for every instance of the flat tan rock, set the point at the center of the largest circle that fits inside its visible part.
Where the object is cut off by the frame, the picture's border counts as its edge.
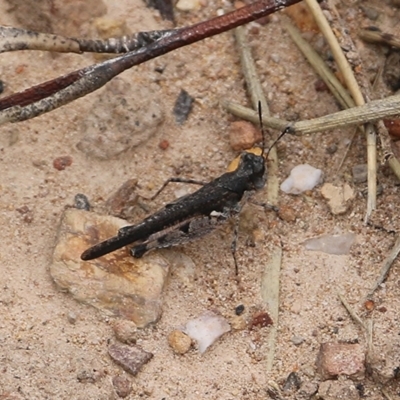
(339, 198)
(117, 283)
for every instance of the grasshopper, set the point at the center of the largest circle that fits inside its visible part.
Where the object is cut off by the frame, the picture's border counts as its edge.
(194, 215)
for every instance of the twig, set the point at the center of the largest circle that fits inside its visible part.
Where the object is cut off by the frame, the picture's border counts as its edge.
(60, 91)
(257, 95)
(320, 67)
(372, 111)
(271, 273)
(355, 91)
(352, 313)
(386, 266)
(12, 39)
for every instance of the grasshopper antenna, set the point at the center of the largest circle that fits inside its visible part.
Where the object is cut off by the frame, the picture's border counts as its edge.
(286, 130)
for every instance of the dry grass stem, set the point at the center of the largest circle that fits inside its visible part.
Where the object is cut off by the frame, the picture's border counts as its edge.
(386, 265)
(354, 88)
(370, 112)
(271, 273)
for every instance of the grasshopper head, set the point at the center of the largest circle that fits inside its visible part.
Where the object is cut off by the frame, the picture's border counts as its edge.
(252, 167)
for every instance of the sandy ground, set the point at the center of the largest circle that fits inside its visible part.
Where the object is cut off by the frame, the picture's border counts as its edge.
(42, 353)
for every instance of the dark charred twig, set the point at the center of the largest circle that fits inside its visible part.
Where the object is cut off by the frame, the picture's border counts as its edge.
(12, 39)
(60, 91)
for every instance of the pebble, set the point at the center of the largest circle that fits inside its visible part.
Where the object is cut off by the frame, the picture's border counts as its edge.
(302, 178)
(81, 202)
(122, 118)
(130, 358)
(342, 389)
(331, 244)
(110, 28)
(297, 340)
(179, 341)
(122, 202)
(125, 331)
(60, 163)
(89, 376)
(122, 386)
(117, 284)
(292, 383)
(332, 149)
(360, 173)
(183, 107)
(260, 319)
(238, 322)
(206, 329)
(335, 359)
(243, 135)
(72, 317)
(239, 309)
(287, 213)
(339, 198)
(307, 390)
(187, 5)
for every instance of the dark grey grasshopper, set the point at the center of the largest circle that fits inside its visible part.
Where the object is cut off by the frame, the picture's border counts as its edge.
(192, 216)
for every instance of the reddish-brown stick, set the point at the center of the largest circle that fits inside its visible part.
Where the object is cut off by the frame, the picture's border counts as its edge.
(60, 91)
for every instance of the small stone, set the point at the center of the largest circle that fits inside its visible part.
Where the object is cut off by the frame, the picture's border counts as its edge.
(108, 27)
(89, 376)
(261, 319)
(72, 317)
(60, 163)
(206, 329)
(238, 322)
(243, 135)
(122, 385)
(183, 107)
(335, 359)
(331, 244)
(163, 144)
(125, 331)
(302, 178)
(297, 340)
(292, 383)
(81, 202)
(287, 213)
(332, 149)
(188, 5)
(239, 309)
(130, 358)
(341, 389)
(307, 390)
(339, 198)
(179, 341)
(117, 284)
(124, 200)
(360, 173)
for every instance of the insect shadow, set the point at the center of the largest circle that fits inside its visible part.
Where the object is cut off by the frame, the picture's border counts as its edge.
(195, 215)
